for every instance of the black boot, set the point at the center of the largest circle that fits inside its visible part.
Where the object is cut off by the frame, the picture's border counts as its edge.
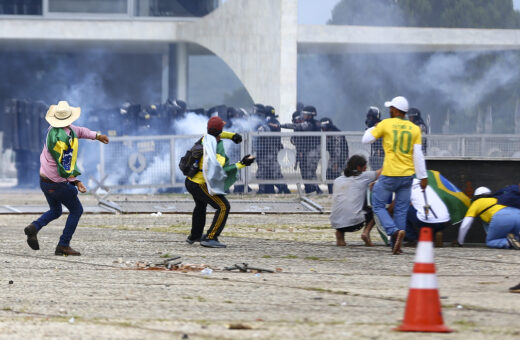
(32, 240)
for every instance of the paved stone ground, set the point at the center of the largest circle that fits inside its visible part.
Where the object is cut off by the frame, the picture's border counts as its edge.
(322, 291)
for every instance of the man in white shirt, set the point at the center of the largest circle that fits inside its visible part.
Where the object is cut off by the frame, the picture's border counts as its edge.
(432, 213)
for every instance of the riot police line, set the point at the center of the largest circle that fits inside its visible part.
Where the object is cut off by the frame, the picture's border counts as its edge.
(315, 153)
(24, 131)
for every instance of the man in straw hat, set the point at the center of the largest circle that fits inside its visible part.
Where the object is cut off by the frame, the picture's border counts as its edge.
(58, 172)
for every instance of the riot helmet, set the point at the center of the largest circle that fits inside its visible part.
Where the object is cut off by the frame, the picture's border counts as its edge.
(259, 110)
(326, 124)
(308, 112)
(296, 117)
(373, 116)
(241, 113)
(414, 115)
(180, 105)
(270, 111)
(123, 110)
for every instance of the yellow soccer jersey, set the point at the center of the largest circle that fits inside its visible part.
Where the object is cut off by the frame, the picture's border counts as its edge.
(399, 137)
(489, 203)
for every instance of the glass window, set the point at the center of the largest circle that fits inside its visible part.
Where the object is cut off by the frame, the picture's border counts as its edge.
(174, 8)
(88, 6)
(20, 7)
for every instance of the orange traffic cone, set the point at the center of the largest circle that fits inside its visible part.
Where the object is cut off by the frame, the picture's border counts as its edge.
(423, 307)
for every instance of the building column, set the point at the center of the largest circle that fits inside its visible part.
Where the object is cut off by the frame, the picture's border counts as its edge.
(165, 77)
(175, 65)
(181, 59)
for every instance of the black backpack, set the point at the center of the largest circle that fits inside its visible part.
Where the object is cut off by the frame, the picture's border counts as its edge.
(189, 164)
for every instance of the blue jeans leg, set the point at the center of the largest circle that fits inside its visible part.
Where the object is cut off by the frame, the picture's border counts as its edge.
(56, 195)
(54, 211)
(382, 195)
(403, 192)
(75, 212)
(505, 221)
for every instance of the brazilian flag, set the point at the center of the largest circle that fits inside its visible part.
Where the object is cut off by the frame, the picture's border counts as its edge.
(456, 201)
(64, 149)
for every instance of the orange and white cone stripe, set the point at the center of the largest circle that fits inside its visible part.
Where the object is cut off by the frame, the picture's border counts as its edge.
(423, 308)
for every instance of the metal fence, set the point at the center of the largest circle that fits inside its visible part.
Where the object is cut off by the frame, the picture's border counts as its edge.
(286, 157)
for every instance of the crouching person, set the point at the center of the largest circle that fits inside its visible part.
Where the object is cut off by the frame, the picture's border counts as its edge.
(503, 222)
(349, 210)
(58, 172)
(433, 214)
(210, 183)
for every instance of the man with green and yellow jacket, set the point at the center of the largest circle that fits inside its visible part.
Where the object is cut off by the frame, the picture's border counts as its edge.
(209, 185)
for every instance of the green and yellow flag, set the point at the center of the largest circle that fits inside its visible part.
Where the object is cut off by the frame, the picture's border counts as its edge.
(456, 201)
(64, 150)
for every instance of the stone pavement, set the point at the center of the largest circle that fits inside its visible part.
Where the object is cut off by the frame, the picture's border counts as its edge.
(322, 291)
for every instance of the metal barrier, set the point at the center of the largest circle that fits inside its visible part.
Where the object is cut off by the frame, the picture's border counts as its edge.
(282, 157)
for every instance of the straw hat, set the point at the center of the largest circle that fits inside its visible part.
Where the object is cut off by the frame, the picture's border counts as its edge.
(62, 115)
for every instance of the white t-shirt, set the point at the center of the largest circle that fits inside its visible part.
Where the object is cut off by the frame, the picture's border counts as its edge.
(435, 202)
(349, 195)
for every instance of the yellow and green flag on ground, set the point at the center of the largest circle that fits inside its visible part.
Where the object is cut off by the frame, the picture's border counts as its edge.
(456, 201)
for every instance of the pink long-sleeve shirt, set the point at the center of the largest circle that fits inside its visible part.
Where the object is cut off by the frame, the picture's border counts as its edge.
(48, 166)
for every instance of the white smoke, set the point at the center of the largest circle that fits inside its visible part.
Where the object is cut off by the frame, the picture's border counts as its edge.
(451, 75)
(343, 87)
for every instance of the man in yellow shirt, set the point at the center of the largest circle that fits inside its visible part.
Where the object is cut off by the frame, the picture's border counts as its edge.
(403, 159)
(502, 222)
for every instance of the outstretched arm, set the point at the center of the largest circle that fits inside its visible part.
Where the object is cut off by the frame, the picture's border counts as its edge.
(464, 228)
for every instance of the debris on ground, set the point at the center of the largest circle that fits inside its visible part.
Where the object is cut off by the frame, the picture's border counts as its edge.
(246, 268)
(173, 263)
(239, 326)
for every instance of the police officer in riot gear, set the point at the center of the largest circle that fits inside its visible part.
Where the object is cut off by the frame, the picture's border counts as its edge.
(414, 115)
(307, 147)
(267, 149)
(377, 154)
(337, 148)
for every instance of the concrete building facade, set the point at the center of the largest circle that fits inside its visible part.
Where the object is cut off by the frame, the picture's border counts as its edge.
(259, 39)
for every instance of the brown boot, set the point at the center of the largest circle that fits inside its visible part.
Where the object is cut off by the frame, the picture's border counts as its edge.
(66, 251)
(340, 239)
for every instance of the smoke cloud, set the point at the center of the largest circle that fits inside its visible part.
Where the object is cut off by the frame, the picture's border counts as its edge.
(465, 83)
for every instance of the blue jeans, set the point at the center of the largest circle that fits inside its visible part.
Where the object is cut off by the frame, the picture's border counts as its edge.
(57, 194)
(382, 194)
(503, 222)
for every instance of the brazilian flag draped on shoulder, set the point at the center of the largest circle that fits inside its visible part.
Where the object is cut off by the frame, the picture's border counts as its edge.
(456, 201)
(218, 177)
(64, 150)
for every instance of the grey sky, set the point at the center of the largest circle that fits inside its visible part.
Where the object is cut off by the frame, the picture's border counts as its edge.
(314, 12)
